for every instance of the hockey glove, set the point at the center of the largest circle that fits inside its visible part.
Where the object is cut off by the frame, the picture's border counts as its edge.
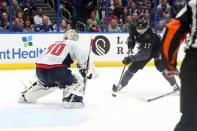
(85, 73)
(128, 60)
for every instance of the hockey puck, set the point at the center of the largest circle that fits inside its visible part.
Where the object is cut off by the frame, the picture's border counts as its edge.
(114, 95)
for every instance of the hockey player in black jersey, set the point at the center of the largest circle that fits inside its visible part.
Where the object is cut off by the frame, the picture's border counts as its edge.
(148, 46)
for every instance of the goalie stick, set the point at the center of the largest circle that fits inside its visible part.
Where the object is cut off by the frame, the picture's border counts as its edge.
(87, 66)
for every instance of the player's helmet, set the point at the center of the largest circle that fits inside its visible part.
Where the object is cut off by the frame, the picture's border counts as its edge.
(71, 35)
(142, 24)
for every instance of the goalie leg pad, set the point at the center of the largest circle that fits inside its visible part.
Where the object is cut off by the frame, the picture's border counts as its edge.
(34, 92)
(73, 94)
(76, 88)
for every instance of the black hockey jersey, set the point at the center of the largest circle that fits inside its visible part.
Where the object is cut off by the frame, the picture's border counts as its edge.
(148, 44)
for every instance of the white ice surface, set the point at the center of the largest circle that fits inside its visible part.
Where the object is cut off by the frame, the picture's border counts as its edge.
(102, 112)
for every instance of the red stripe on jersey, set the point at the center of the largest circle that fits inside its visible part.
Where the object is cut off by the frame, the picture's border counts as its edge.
(44, 66)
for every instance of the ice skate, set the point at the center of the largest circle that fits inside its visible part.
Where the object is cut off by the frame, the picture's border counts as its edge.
(176, 89)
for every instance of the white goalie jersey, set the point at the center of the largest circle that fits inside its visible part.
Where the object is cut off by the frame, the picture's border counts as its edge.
(57, 53)
(64, 53)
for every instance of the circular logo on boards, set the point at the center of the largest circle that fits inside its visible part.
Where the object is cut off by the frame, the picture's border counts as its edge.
(101, 45)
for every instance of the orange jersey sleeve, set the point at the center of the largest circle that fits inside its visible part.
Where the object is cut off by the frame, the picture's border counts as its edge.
(174, 33)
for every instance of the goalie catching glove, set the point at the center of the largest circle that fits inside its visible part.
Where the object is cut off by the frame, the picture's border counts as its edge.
(85, 73)
(89, 73)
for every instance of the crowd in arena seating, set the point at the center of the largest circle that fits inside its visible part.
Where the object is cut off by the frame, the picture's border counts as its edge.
(121, 13)
(92, 14)
(26, 17)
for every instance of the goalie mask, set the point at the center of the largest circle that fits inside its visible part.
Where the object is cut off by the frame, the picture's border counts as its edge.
(71, 35)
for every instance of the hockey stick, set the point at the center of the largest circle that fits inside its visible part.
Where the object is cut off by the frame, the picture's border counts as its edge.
(158, 97)
(114, 93)
(87, 66)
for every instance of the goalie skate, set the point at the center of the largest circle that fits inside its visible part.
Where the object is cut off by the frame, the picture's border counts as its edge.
(73, 101)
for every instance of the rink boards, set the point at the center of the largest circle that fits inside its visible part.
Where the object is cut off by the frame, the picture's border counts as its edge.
(19, 51)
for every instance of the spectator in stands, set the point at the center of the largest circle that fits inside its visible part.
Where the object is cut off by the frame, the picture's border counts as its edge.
(102, 12)
(94, 27)
(160, 26)
(125, 14)
(15, 7)
(132, 7)
(111, 4)
(20, 16)
(162, 8)
(113, 26)
(118, 11)
(4, 7)
(46, 26)
(88, 7)
(38, 17)
(77, 14)
(147, 17)
(28, 26)
(148, 6)
(4, 22)
(125, 27)
(134, 17)
(92, 19)
(140, 7)
(17, 26)
(64, 26)
(27, 16)
(110, 17)
(167, 17)
(29, 5)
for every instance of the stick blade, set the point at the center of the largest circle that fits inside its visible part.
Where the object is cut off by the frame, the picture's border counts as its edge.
(114, 88)
(143, 99)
